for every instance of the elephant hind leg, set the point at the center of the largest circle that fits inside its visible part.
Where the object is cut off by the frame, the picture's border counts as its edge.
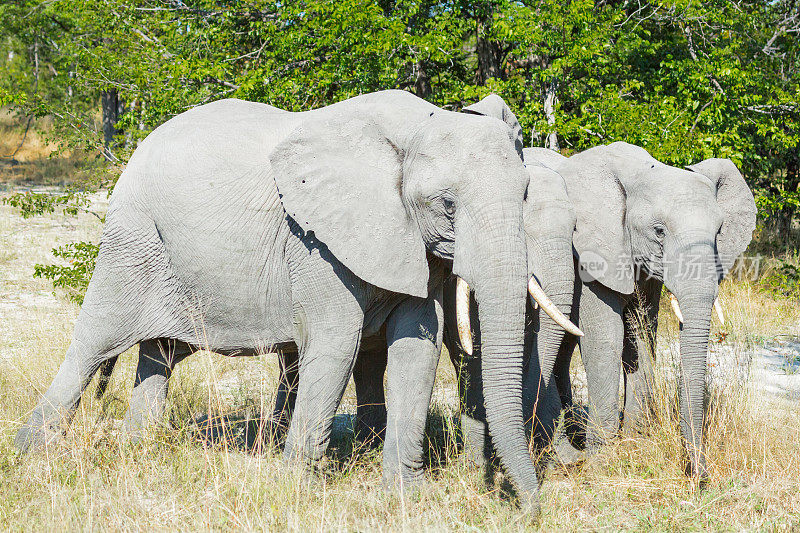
(51, 417)
(157, 359)
(286, 395)
(125, 303)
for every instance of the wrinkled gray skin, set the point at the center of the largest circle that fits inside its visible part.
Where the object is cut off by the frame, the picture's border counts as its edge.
(641, 224)
(549, 222)
(239, 227)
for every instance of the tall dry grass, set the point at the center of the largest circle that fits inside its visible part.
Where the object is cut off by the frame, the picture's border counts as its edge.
(175, 479)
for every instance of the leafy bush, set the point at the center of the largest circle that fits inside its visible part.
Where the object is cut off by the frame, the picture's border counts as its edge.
(783, 279)
(75, 277)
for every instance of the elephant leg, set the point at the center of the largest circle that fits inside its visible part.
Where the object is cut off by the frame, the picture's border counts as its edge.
(571, 436)
(414, 337)
(638, 356)
(328, 342)
(90, 348)
(368, 375)
(286, 396)
(157, 359)
(601, 351)
(474, 430)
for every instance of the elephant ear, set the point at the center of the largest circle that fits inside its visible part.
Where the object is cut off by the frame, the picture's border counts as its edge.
(340, 178)
(496, 107)
(737, 204)
(543, 156)
(601, 240)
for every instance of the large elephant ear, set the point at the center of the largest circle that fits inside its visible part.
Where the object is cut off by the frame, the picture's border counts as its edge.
(737, 204)
(341, 178)
(602, 241)
(494, 106)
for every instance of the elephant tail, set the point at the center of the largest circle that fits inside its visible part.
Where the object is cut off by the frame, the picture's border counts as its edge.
(104, 375)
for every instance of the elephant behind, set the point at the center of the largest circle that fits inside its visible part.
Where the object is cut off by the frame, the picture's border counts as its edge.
(236, 228)
(640, 225)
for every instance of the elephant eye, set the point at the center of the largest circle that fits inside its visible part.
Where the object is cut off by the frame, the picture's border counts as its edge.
(449, 206)
(659, 231)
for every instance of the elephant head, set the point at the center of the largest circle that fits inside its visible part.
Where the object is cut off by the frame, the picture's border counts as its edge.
(549, 219)
(638, 217)
(392, 179)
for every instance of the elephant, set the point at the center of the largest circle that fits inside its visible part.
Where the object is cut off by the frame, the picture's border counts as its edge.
(642, 224)
(549, 222)
(240, 228)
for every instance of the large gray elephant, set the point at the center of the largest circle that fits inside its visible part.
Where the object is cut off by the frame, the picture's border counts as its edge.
(549, 222)
(236, 226)
(640, 225)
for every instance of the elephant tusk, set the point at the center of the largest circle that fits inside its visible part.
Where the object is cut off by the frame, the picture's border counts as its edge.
(675, 307)
(718, 309)
(538, 296)
(462, 315)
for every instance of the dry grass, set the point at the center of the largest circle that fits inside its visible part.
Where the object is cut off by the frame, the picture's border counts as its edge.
(92, 479)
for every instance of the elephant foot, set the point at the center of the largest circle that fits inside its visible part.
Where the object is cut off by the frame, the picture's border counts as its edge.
(310, 474)
(476, 451)
(406, 485)
(698, 474)
(37, 433)
(564, 454)
(632, 422)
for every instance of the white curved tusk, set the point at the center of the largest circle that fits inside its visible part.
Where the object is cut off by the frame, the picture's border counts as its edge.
(718, 309)
(675, 307)
(462, 315)
(538, 296)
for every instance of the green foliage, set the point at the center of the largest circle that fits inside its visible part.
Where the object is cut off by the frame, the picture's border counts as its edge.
(684, 79)
(75, 277)
(32, 204)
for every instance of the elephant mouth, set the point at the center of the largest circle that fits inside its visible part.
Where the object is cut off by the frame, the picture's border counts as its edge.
(538, 297)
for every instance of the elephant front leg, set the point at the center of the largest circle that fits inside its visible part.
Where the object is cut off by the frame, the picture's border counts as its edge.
(328, 340)
(157, 359)
(601, 351)
(414, 336)
(368, 375)
(474, 430)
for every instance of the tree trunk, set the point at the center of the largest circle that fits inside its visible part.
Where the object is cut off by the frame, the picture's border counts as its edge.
(113, 107)
(550, 100)
(489, 52)
(422, 82)
(788, 211)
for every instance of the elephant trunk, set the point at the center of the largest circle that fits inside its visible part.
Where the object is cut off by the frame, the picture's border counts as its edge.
(499, 281)
(695, 286)
(694, 348)
(555, 272)
(501, 319)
